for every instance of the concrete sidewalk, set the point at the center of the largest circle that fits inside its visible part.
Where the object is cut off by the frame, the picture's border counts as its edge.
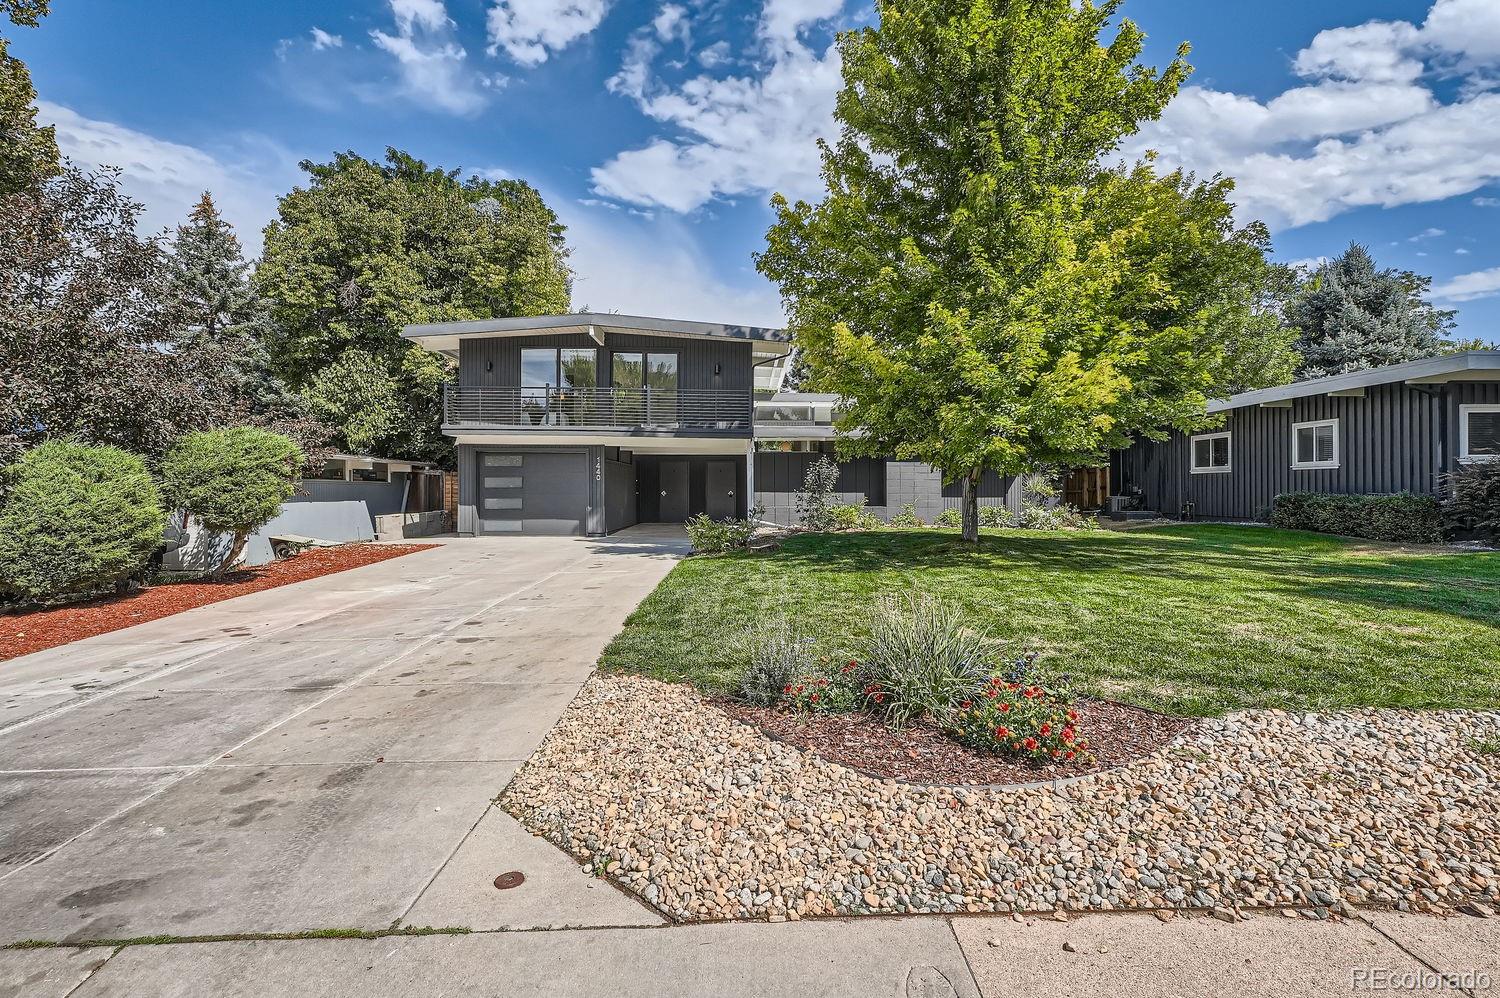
(919, 957)
(323, 755)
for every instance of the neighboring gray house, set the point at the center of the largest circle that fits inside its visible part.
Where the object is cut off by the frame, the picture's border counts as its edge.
(588, 423)
(1392, 429)
(352, 497)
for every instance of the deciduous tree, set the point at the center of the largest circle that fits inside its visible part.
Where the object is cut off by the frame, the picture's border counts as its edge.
(368, 247)
(979, 288)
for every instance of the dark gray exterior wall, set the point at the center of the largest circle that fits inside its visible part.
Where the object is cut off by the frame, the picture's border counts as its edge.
(1396, 438)
(884, 485)
(620, 501)
(696, 359)
(382, 498)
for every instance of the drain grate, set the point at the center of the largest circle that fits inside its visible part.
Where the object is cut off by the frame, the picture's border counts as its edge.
(515, 878)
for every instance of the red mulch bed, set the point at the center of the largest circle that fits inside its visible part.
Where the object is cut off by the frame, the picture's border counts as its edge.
(1116, 734)
(24, 633)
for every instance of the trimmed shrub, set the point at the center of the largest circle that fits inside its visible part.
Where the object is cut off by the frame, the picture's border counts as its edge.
(907, 517)
(815, 501)
(1471, 501)
(921, 658)
(1059, 517)
(76, 520)
(853, 516)
(950, 518)
(710, 536)
(995, 516)
(232, 480)
(1401, 517)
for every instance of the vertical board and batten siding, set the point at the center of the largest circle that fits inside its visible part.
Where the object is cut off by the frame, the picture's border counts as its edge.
(1390, 440)
(695, 359)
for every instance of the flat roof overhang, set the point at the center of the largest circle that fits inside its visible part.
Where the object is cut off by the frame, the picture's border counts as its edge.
(1468, 365)
(444, 337)
(641, 445)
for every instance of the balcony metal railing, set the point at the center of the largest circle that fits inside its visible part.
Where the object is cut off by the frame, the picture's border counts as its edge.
(597, 408)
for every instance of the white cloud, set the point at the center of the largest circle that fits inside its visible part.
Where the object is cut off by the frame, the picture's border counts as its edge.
(738, 135)
(1425, 234)
(530, 30)
(169, 177)
(671, 22)
(1365, 130)
(323, 40)
(673, 280)
(713, 55)
(1483, 202)
(432, 65)
(1461, 251)
(1468, 287)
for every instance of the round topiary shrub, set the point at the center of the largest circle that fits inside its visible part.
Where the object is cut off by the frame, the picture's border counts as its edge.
(75, 521)
(233, 481)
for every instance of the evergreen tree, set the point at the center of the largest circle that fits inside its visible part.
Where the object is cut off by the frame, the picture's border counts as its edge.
(1352, 317)
(28, 154)
(368, 247)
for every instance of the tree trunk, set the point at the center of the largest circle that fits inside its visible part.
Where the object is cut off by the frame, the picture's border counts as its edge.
(238, 545)
(971, 507)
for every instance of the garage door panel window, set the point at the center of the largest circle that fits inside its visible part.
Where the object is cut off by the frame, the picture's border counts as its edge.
(1209, 453)
(502, 460)
(1315, 445)
(1479, 432)
(503, 482)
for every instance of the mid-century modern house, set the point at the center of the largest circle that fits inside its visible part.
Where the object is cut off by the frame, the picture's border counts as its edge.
(1387, 430)
(591, 422)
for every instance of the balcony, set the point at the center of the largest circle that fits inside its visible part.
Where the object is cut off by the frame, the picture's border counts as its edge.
(652, 410)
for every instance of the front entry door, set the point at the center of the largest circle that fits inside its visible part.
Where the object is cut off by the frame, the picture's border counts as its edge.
(720, 488)
(674, 491)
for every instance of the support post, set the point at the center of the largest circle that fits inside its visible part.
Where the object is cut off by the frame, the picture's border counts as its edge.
(749, 478)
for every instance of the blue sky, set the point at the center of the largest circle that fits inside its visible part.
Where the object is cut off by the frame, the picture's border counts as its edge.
(659, 129)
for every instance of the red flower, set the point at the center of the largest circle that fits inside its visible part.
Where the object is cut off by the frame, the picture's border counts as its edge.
(813, 698)
(787, 688)
(965, 705)
(1046, 729)
(1068, 733)
(1002, 732)
(823, 682)
(992, 694)
(853, 664)
(1030, 744)
(1083, 745)
(1005, 708)
(1073, 715)
(1031, 691)
(1054, 753)
(1068, 754)
(880, 698)
(800, 687)
(1012, 686)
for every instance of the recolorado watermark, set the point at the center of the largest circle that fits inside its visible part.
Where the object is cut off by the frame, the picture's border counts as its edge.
(1386, 979)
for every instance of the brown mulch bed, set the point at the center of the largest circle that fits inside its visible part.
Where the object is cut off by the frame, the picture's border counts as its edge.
(921, 753)
(24, 633)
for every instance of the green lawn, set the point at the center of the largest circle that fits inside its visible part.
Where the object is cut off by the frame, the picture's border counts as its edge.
(1194, 619)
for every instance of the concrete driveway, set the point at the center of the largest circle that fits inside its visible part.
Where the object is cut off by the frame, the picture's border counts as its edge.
(319, 756)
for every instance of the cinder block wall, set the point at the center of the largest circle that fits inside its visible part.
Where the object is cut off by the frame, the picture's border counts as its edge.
(912, 482)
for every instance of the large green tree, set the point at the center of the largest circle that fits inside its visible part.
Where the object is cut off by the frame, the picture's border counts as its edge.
(1352, 316)
(28, 154)
(981, 291)
(368, 247)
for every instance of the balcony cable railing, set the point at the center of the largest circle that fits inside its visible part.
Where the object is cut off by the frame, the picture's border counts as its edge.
(596, 408)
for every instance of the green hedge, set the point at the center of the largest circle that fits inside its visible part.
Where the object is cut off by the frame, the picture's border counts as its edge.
(75, 520)
(1400, 517)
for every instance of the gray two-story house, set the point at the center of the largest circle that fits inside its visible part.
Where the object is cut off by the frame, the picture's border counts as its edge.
(589, 423)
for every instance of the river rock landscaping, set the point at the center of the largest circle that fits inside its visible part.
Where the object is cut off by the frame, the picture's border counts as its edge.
(706, 817)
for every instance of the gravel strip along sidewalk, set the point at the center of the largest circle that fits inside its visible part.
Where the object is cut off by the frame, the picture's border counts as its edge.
(707, 818)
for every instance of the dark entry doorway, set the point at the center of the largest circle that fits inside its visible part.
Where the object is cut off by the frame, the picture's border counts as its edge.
(719, 498)
(673, 483)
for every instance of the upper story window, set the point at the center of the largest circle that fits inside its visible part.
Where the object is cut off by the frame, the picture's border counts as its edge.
(545, 367)
(1210, 453)
(656, 371)
(1315, 444)
(1479, 432)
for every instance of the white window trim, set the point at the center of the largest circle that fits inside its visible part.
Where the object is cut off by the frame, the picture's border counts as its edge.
(1193, 453)
(1463, 431)
(1315, 465)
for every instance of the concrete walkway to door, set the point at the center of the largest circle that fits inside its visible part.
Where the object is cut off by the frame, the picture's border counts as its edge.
(319, 756)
